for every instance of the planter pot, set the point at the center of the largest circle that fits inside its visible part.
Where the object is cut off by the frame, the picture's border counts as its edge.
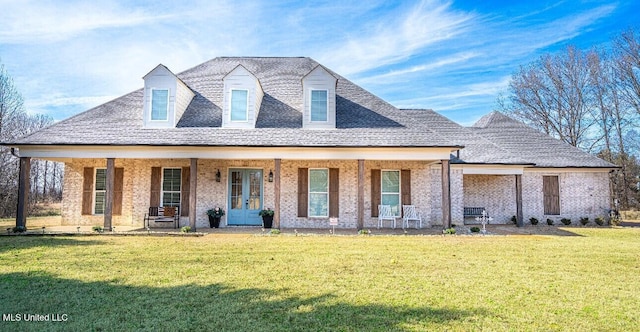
(214, 222)
(267, 221)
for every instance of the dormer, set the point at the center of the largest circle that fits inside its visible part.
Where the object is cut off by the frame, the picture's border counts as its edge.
(242, 99)
(319, 90)
(166, 98)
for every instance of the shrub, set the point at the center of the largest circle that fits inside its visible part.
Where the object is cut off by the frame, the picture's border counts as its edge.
(566, 221)
(533, 221)
(185, 229)
(98, 229)
(364, 232)
(274, 231)
(475, 229)
(599, 221)
(514, 220)
(549, 222)
(19, 229)
(584, 220)
(450, 230)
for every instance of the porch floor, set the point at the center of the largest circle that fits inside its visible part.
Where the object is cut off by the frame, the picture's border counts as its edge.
(256, 231)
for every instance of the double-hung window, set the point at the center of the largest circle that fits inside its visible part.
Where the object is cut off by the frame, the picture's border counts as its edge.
(100, 190)
(390, 190)
(319, 107)
(239, 105)
(318, 192)
(159, 104)
(171, 181)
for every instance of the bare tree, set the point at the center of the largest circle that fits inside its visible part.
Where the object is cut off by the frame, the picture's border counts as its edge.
(552, 94)
(590, 100)
(14, 123)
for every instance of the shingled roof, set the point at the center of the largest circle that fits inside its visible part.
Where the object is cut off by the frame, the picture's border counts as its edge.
(516, 141)
(362, 118)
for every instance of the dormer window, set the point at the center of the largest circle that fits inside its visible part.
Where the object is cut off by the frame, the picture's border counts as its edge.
(239, 105)
(159, 104)
(242, 99)
(319, 105)
(319, 94)
(166, 98)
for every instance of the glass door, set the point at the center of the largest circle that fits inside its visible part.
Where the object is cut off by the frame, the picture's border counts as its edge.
(245, 197)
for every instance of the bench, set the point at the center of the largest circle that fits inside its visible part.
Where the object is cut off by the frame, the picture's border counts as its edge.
(162, 214)
(474, 212)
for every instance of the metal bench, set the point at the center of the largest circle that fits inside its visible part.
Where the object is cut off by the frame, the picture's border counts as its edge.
(162, 214)
(474, 211)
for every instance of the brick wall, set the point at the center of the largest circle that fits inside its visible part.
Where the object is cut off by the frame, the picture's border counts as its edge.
(581, 193)
(496, 193)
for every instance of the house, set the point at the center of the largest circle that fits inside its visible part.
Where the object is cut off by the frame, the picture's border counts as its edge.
(247, 133)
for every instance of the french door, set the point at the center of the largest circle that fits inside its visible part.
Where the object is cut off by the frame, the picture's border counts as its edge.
(245, 197)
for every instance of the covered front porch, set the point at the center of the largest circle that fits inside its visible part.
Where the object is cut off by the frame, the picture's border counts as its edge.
(242, 181)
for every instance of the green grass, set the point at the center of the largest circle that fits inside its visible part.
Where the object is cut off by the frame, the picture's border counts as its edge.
(309, 283)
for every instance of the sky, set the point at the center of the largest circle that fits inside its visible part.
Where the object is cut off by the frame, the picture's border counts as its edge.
(455, 57)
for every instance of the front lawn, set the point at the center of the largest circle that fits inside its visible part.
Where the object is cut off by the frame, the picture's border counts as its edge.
(233, 282)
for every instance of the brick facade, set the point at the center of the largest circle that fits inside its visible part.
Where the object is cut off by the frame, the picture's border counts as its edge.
(581, 193)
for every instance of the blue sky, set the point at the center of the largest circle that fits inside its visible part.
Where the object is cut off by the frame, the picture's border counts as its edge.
(454, 57)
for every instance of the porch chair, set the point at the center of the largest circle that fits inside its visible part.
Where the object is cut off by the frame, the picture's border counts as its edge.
(409, 213)
(384, 213)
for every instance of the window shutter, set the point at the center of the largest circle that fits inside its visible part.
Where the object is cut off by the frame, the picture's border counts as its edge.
(334, 190)
(156, 181)
(375, 191)
(405, 185)
(117, 191)
(185, 188)
(303, 191)
(551, 193)
(87, 191)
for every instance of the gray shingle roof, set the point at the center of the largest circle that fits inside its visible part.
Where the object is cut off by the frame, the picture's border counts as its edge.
(524, 143)
(363, 118)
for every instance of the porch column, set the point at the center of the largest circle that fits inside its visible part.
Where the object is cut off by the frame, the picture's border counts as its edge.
(108, 199)
(446, 194)
(276, 193)
(519, 215)
(23, 191)
(360, 194)
(193, 183)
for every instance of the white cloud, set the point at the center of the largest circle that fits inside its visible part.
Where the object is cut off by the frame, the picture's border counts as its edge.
(29, 22)
(396, 37)
(449, 60)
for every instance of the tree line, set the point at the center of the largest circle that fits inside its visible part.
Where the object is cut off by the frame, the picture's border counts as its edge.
(591, 100)
(46, 176)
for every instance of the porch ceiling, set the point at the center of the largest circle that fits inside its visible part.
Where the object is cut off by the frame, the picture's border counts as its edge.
(254, 153)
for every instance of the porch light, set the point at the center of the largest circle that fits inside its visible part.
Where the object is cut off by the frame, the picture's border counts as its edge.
(270, 176)
(218, 176)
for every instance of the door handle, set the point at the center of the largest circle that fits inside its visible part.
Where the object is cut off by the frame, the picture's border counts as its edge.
(247, 203)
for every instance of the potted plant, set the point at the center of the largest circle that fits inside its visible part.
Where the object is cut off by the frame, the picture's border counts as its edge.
(267, 217)
(214, 217)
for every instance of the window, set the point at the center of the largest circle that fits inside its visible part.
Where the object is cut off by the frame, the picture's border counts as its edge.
(171, 180)
(239, 108)
(319, 105)
(551, 193)
(318, 192)
(159, 104)
(100, 190)
(390, 190)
